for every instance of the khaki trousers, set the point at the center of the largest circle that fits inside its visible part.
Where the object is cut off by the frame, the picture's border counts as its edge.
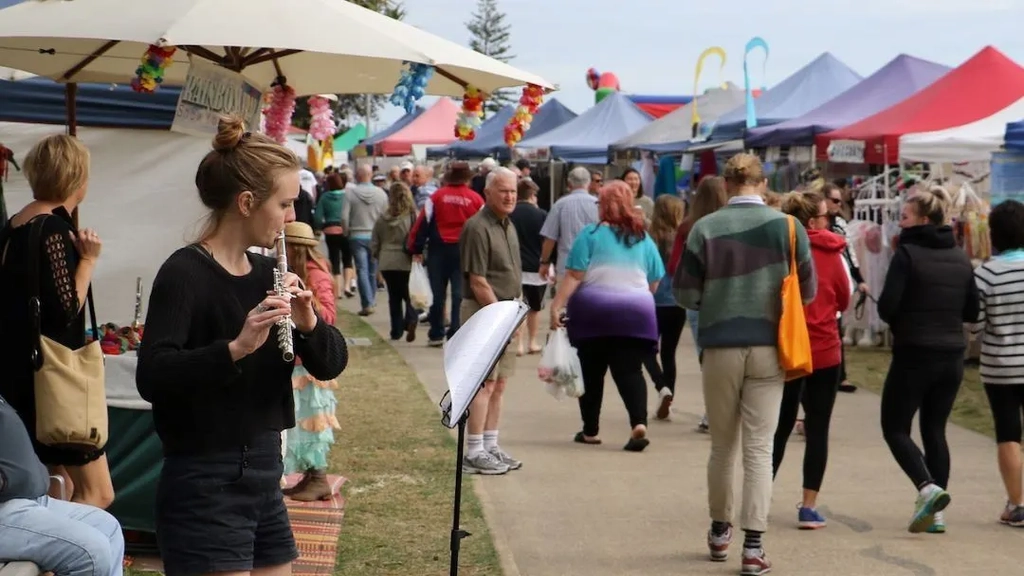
(742, 391)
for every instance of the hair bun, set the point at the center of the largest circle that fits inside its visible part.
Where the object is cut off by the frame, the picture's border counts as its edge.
(230, 130)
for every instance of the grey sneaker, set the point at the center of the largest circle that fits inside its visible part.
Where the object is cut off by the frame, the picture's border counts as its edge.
(505, 459)
(1013, 516)
(483, 463)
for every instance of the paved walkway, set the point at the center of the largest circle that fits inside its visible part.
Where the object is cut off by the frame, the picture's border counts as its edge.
(598, 511)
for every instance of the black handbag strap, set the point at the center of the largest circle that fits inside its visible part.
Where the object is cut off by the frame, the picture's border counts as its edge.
(35, 239)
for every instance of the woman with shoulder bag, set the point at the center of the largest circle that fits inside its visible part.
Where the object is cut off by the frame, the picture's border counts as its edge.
(220, 383)
(42, 255)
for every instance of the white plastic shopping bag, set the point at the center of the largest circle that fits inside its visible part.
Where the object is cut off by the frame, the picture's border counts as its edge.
(419, 287)
(560, 367)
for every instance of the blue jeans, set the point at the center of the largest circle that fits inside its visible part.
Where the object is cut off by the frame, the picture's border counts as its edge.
(61, 537)
(366, 272)
(444, 268)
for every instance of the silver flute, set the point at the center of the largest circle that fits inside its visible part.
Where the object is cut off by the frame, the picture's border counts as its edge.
(284, 325)
(138, 304)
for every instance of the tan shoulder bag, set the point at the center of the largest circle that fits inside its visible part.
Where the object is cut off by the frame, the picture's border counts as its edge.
(71, 398)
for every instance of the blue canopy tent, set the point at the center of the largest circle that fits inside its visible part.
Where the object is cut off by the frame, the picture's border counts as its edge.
(490, 138)
(809, 87)
(41, 101)
(585, 139)
(897, 80)
(366, 146)
(1015, 136)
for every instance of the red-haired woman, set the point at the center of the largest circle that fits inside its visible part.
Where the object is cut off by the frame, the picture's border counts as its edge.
(612, 272)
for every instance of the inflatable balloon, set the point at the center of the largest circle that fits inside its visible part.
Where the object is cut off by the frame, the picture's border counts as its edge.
(713, 51)
(602, 84)
(755, 42)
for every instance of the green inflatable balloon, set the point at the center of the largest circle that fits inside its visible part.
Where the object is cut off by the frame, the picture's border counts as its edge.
(601, 93)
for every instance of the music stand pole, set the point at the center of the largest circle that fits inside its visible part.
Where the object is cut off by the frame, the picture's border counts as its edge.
(457, 532)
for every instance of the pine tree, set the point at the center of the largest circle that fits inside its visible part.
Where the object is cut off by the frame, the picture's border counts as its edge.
(491, 35)
(351, 109)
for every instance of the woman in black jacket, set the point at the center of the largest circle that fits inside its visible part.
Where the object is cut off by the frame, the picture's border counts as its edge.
(929, 293)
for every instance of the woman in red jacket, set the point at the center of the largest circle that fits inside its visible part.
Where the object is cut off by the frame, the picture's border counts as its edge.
(816, 392)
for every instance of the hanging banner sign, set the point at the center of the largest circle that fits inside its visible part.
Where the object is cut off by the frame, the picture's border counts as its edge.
(211, 92)
(847, 151)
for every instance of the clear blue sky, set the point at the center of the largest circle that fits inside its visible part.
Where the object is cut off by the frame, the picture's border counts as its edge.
(652, 45)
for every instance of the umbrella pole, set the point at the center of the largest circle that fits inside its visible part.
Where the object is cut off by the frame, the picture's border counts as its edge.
(71, 109)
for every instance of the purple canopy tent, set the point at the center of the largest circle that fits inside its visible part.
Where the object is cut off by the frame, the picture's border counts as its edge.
(893, 83)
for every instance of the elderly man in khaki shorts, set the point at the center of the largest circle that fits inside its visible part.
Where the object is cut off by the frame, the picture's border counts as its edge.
(492, 271)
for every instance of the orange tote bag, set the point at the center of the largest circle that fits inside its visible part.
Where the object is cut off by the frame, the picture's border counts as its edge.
(794, 341)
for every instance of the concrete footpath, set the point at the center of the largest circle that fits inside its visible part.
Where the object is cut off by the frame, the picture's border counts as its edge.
(599, 511)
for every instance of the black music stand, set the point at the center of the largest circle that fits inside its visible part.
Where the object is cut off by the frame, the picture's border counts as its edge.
(447, 419)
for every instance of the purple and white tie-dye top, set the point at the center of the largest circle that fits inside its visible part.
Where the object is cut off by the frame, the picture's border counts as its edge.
(615, 297)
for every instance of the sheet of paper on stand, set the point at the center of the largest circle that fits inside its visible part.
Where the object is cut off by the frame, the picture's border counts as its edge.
(470, 355)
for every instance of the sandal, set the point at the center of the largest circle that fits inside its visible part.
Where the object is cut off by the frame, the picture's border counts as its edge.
(581, 438)
(638, 441)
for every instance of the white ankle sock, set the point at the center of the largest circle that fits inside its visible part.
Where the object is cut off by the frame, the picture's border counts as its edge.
(490, 440)
(474, 444)
(928, 490)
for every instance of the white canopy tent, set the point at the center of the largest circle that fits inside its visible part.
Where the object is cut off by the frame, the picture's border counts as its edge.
(974, 142)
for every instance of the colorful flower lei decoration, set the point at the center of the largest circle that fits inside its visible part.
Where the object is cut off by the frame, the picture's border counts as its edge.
(150, 72)
(277, 117)
(321, 124)
(470, 116)
(529, 103)
(412, 85)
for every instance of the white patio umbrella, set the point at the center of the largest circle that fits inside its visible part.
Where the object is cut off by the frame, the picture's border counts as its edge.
(320, 46)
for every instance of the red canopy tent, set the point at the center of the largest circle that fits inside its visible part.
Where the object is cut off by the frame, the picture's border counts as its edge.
(436, 126)
(983, 85)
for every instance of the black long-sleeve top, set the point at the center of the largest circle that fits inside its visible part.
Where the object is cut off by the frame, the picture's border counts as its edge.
(202, 401)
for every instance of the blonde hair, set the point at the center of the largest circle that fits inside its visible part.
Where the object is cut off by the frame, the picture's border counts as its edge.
(299, 257)
(803, 206)
(933, 204)
(743, 170)
(400, 200)
(57, 167)
(773, 199)
(240, 161)
(668, 215)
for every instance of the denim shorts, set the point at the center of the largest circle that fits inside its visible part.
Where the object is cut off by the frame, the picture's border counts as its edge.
(224, 512)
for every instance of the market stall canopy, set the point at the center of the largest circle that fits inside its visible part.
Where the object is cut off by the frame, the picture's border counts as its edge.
(809, 87)
(901, 77)
(103, 40)
(491, 130)
(41, 101)
(1014, 136)
(675, 129)
(983, 85)
(585, 139)
(974, 142)
(435, 126)
(490, 138)
(351, 138)
(366, 146)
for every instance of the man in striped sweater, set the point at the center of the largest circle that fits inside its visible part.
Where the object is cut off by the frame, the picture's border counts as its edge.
(1001, 325)
(732, 272)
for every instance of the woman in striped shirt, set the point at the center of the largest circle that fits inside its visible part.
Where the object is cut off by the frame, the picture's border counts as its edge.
(1001, 324)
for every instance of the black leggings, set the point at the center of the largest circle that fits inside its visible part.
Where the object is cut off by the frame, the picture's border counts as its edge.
(1007, 403)
(817, 393)
(338, 252)
(671, 320)
(624, 357)
(925, 380)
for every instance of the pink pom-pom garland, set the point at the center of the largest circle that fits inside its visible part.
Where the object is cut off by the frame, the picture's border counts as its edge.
(321, 125)
(277, 118)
